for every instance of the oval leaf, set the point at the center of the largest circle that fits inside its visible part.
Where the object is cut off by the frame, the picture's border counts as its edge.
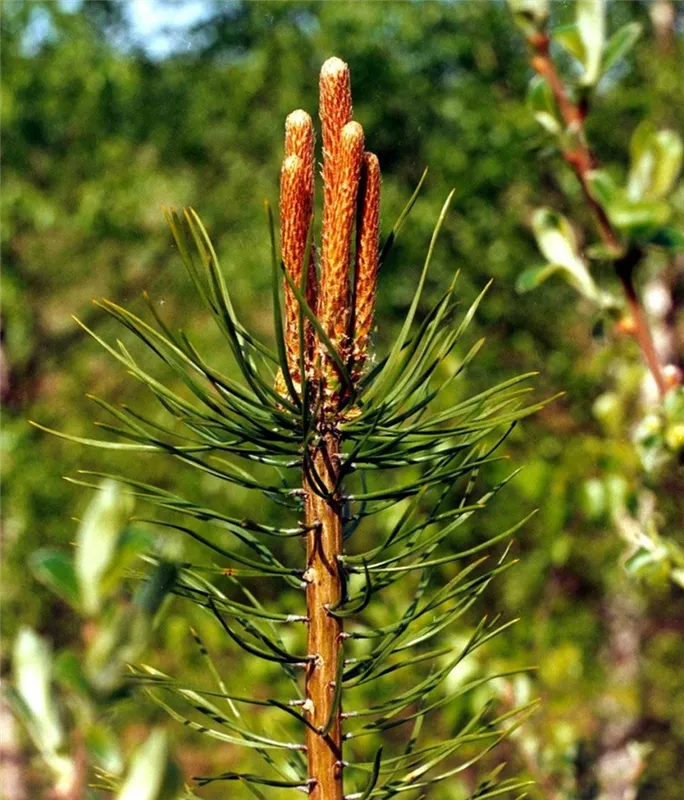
(641, 218)
(667, 164)
(32, 662)
(55, 570)
(670, 239)
(620, 43)
(542, 104)
(97, 540)
(591, 25)
(557, 242)
(532, 277)
(153, 774)
(569, 39)
(530, 15)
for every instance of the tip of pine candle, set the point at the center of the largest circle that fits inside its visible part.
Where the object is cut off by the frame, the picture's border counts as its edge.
(298, 119)
(333, 66)
(371, 161)
(352, 131)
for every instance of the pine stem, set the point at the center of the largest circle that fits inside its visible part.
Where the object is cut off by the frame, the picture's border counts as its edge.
(331, 297)
(324, 589)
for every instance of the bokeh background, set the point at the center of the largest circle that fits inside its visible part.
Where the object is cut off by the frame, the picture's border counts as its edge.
(112, 109)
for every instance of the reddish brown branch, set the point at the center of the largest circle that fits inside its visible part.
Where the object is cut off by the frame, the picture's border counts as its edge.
(581, 159)
(642, 332)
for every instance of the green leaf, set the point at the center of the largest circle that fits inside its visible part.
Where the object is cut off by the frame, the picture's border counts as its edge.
(568, 37)
(604, 252)
(530, 15)
(224, 313)
(543, 105)
(277, 654)
(643, 560)
(656, 159)
(151, 593)
(56, 571)
(337, 696)
(103, 749)
(32, 668)
(591, 26)
(668, 162)
(555, 238)
(132, 543)
(603, 188)
(61, 766)
(641, 140)
(213, 670)
(641, 218)
(153, 774)
(97, 541)
(532, 277)
(620, 43)
(557, 242)
(670, 239)
(68, 671)
(219, 735)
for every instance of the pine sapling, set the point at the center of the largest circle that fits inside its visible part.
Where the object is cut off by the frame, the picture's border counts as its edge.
(348, 437)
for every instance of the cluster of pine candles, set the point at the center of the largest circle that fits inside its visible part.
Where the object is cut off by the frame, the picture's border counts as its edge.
(343, 300)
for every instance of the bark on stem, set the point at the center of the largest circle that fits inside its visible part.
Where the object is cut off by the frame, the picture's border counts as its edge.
(324, 589)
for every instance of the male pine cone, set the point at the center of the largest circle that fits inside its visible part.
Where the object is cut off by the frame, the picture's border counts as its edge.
(341, 291)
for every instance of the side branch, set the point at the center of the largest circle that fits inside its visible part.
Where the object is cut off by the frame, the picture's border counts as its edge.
(582, 160)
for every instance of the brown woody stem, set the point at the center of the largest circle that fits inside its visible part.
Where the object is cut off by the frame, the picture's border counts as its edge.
(582, 161)
(642, 334)
(323, 591)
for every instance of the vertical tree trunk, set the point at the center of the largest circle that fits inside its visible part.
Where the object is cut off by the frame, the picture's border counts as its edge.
(324, 589)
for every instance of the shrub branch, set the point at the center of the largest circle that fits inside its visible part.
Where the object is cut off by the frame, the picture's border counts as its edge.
(582, 160)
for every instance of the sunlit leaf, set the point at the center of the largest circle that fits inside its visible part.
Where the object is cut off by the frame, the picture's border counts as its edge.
(591, 25)
(530, 15)
(532, 277)
(557, 241)
(620, 43)
(568, 37)
(153, 773)
(656, 159)
(32, 668)
(96, 543)
(543, 106)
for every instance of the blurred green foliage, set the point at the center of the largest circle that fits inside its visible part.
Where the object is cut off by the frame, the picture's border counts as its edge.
(97, 135)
